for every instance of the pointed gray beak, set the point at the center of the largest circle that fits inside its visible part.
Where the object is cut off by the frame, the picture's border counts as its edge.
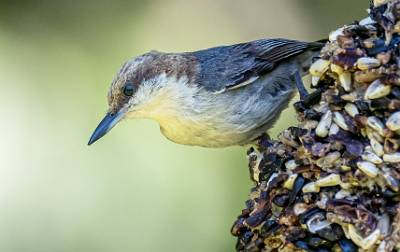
(108, 122)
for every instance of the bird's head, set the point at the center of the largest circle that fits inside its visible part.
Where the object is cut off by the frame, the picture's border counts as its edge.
(138, 85)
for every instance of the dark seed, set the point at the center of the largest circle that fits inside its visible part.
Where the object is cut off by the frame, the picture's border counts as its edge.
(396, 92)
(243, 240)
(297, 132)
(316, 242)
(389, 193)
(332, 233)
(303, 245)
(298, 184)
(378, 104)
(238, 227)
(347, 246)
(281, 200)
(250, 204)
(269, 227)
(256, 219)
(305, 216)
(295, 233)
(323, 250)
(311, 114)
(362, 106)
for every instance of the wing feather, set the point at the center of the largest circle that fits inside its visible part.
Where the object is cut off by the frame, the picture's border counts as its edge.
(230, 67)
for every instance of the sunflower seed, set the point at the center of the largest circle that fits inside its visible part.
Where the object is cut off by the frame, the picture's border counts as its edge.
(315, 80)
(334, 129)
(371, 157)
(330, 180)
(290, 181)
(324, 124)
(368, 168)
(377, 90)
(393, 123)
(340, 121)
(363, 242)
(310, 187)
(374, 123)
(334, 35)
(319, 67)
(351, 109)
(345, 81)
(376, 147)
(337, 69)
(392, 158)
(366, 63)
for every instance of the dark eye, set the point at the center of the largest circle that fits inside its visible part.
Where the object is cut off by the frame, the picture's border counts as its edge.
(129, 89)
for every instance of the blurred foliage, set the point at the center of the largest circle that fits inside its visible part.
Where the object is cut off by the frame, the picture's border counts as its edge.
(133, 190)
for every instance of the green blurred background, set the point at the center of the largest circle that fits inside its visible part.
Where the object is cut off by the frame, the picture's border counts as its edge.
(133, 190)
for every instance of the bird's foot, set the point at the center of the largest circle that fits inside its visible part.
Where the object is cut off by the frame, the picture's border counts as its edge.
(300, 85)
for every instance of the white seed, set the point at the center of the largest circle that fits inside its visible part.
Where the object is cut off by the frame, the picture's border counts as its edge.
(324, 124)
(368, 168)
(367, 21)
(363, 242)
(335, 34)
(371, 157)
(339, 120)
(334, 129)
(351, 109)
(371, 133)
(337, 69)
(384, 224)
(321, 203)
(392, 157)
(315, 80)
(300, 208)
(351, 97)
(317, 222)
(331, 180)
(310, 187)
(377, 90)
(376, 147)
(345, 81)
(319, 67)
(391, 182)
(291, 164)
(342, 194)
(310, 124)
(382, 247)
(345, 186)
(374, 123)
(290, 181)
(393, 123)
(366, 63)
(329, 160)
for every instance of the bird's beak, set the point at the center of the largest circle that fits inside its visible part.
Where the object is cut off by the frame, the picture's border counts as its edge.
(108, 122)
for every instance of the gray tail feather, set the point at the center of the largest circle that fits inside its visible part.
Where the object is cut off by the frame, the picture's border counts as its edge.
(317, 45)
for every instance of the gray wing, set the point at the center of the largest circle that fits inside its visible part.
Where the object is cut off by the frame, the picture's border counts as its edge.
(228, 67)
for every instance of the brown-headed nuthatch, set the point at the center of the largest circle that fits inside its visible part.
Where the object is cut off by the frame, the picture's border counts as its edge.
(217, 97)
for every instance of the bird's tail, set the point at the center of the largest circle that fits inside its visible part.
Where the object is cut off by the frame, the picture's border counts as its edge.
(317, 45)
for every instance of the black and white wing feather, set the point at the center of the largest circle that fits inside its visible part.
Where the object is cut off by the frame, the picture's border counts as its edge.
(227, 67)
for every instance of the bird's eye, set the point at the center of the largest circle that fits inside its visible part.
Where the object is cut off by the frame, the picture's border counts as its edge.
(129, 89)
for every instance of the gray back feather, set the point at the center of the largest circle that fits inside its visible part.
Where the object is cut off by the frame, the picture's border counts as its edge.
(226, 67)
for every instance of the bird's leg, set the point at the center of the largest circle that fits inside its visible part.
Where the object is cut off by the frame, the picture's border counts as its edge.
(300, 86)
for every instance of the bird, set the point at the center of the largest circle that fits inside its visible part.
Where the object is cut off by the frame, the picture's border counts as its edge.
(218, 97)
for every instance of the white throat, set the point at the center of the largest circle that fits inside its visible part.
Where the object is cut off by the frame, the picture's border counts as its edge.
(163, 98)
